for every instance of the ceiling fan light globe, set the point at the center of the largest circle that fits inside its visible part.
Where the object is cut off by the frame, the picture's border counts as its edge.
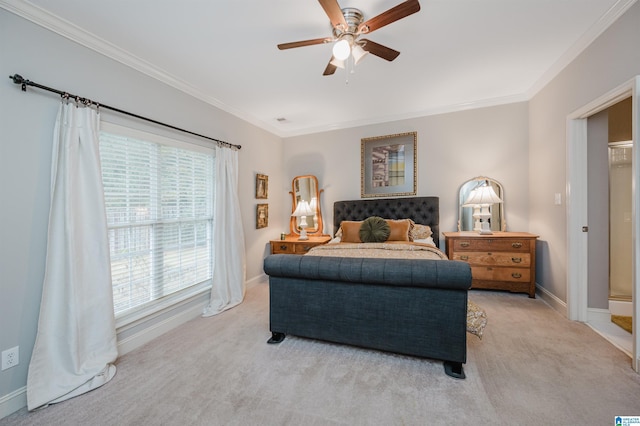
(341, 50)
(337, 63)
(358, 53)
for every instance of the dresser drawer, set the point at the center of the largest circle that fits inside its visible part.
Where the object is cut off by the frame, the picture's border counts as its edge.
(485, 273)
(489, 244)
(494, 258)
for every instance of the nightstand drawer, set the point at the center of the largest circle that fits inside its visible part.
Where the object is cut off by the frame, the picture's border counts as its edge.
(293, 245)
(303, 248)
(282, 247)
(489, 244)
(494, 258)
(488, 273)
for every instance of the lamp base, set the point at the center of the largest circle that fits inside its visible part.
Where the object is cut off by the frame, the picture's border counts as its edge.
(486, 229)
(303, 235)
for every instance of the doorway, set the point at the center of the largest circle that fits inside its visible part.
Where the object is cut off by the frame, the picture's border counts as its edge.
(578, 231)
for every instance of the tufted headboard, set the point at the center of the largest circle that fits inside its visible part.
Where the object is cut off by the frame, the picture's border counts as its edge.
(423, 210)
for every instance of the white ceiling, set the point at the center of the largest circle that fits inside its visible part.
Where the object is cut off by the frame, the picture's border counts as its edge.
(455, 54)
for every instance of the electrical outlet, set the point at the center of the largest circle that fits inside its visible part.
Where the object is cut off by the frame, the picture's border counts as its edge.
(10, 357)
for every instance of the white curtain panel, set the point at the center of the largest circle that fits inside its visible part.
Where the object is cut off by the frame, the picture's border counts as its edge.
(76, 340)
(229, 267)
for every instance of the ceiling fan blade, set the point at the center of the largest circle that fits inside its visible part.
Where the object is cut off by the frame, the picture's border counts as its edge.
(379, 50)
(400, 11)
(330, 69)
(302, 43)
(333, 11)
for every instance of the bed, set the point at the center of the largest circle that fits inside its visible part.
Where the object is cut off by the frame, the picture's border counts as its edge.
(413, 304)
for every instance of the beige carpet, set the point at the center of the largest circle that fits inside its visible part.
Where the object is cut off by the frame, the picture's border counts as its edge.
(532, 367)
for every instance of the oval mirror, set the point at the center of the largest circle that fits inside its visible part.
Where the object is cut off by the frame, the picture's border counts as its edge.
(305, 188)
(467, 210)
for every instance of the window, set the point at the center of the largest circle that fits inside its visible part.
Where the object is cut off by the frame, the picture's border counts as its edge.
(159, 202)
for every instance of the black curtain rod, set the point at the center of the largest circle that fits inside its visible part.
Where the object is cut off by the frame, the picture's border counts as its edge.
(17, 79)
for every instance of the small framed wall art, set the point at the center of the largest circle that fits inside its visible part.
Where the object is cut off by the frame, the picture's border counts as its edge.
(388, 165)
(262, 186)
(262, 216)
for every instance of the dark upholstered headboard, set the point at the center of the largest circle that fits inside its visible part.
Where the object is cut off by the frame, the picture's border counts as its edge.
(423, 210)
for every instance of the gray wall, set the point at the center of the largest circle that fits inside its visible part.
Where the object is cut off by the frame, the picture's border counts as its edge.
(611, 60)
(26, 123)
(452, 148)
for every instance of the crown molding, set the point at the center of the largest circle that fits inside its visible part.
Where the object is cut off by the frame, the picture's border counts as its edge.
(72, 32)
(78, 35)
(445, 109)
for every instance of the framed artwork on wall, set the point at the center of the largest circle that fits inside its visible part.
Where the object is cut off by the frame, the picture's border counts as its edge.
(388, 165)
(262, 186)
(262, 216)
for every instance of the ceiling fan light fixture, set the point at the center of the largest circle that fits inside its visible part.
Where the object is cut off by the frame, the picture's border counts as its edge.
(337, 62)
(358, 53)
(342, 49)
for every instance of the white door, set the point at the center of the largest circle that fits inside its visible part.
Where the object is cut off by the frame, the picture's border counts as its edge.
(577, 206)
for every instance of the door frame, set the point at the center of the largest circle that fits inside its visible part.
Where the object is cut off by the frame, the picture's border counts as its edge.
(576, 207)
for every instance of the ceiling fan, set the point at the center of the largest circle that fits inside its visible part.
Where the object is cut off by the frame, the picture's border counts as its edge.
(348, 25)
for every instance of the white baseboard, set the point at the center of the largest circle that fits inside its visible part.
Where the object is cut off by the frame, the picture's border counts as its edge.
(12, 402)
(146, 335)
(619, 307)
(552, 300)
(598, 315)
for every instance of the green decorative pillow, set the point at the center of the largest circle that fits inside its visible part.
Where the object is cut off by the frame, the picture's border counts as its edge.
(374, 230)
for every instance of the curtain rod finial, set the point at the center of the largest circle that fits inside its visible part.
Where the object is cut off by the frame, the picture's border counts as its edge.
(17, 79)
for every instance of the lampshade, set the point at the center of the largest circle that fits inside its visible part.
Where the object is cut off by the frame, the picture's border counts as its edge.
(313, 204)
(358, 53)
(342, 49)
(483, 195)
(303, 209)
(481, 198)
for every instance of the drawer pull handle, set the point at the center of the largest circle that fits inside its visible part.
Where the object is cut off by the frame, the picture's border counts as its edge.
(306, 248)
(516, 245)
(464, 244)
(516, 259)
(464, 257)
(516, 275)
(283, 247)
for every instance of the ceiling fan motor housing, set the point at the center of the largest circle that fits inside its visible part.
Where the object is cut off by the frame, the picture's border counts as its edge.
(354, 18)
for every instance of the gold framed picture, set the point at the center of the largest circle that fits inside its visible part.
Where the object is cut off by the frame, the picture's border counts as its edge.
(262, 216)
(388, 165)
(262, 186)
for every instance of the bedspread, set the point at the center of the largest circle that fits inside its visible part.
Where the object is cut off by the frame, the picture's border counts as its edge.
(389, 249)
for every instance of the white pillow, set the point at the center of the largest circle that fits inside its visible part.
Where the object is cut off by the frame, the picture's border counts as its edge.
(426, 241)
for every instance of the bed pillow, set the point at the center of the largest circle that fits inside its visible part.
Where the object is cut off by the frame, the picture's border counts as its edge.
(420, 232)
(400, 229)
(350, 231)
(374, 230)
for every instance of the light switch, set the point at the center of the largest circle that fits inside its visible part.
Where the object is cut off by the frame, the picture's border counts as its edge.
(558, 199)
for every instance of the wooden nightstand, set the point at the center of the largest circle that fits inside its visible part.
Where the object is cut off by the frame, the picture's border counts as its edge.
(499, 261)
(292, 245)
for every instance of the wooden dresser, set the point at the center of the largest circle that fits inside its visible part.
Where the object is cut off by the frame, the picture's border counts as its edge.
(499, 261)
(292, 245)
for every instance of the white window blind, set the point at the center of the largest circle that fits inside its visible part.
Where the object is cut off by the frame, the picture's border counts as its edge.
(159, 201)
